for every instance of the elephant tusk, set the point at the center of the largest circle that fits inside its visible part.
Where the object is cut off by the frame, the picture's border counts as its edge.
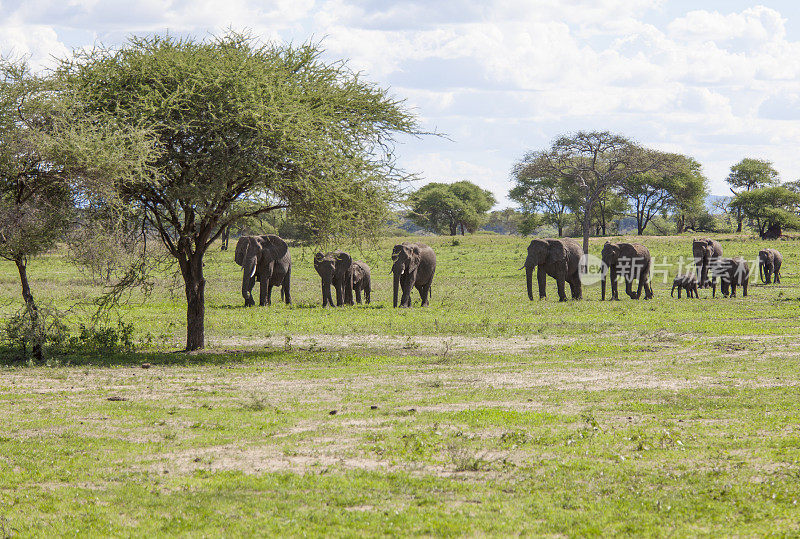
(253, 272)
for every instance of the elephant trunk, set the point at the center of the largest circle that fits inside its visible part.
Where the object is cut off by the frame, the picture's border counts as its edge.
(672, 294)
(761, 272)
(604, 273)
(529, 280)
(396, 286)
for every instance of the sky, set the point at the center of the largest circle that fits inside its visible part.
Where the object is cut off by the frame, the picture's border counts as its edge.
(716, 80)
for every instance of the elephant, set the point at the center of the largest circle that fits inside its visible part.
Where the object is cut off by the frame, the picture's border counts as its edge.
(705, 251)
(558, 258)
(360, 280)
(686, 282)
(413, 265)
(731, 272)
(769, 264)
(265, 259)
(334, 269)
(632, 261)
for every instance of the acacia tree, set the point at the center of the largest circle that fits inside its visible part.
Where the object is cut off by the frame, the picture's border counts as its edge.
(653, 193)
(233, 119)
(689, 194)
(595, 162)
(549, 195)
(749, 174)
(447, 207)
(770, 209)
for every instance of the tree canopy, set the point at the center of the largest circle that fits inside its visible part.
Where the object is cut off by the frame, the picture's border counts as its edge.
(441, 207)
(749, 174)
(770, 209)
(233, 118)
(592, 163)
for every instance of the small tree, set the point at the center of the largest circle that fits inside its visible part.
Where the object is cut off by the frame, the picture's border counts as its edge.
(770, 210)
(234, 119)
(48, 159)
(441, 207)
(749, 174)
(594, 162)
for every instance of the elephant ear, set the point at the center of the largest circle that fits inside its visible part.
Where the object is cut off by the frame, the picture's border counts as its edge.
(557, 252)
(344, 258)
(241, 250)
(277, 243)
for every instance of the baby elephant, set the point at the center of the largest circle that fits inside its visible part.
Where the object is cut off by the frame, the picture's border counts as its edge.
(769, 265)
(686, 282)
(360, 280)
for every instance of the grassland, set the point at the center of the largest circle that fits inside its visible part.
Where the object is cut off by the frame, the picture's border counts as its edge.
(483, 414)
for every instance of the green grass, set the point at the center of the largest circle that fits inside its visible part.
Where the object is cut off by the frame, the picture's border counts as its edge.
(653, 418)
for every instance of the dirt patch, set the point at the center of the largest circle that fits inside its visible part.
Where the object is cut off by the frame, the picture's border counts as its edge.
(416, 344)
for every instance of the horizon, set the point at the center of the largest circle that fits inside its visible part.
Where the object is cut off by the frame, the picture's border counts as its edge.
(719, 83)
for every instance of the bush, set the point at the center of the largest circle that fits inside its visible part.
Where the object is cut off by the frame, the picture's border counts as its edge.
(26, 329)
(103, 340)
(51, 334)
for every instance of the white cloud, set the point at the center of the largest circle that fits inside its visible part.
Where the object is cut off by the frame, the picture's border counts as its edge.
(505, 76)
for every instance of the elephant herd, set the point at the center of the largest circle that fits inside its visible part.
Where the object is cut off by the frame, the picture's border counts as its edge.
(561, 259)
(266, 259)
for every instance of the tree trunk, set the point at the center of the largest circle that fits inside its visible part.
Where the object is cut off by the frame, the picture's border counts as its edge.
(453, 229)
(195, 284)
(30, 304)
(679, 222)
(587, 228)
(560, 230)
(739, 219)
(462, 229)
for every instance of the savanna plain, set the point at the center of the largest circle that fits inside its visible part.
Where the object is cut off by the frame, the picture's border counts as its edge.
(483, 414)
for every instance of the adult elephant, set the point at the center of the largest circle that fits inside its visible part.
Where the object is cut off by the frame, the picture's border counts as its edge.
(265, 259)
(705, 251)
(558, 258)
(632, 262)
(413, 265)
(334, 269)
(732, 272)
(769, 265)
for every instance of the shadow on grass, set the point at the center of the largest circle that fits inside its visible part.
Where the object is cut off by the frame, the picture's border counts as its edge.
(306, 306)
(14, 358)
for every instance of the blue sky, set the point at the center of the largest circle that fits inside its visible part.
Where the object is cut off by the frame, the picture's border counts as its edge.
(718, 80)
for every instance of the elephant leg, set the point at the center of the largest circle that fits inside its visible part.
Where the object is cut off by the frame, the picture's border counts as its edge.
(286, 287)
(777, 276)
(247, 292)
(744, 289)
(325, 292)
(575, 287)
(269, 293)
(357, 291)
(562, 295)
(339, 294)
(423, 293)
(541, 277)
